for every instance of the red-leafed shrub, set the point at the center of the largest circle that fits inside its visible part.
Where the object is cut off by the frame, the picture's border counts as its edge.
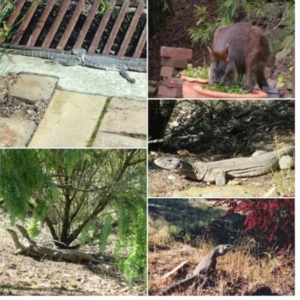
(275, 218)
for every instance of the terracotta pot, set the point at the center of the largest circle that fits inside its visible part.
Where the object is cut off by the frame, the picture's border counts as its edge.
(187, 86)
(191, 88)
(196, 80)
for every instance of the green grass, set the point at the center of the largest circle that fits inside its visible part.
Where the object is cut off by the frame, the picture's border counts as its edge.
(104, 111)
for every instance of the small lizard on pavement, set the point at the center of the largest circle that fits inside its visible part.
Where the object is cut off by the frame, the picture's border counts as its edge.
(79, 57)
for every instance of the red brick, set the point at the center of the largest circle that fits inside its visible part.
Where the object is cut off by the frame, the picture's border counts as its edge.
(168, 72)
(180, 63)
(167, 92)
(172, 82)
(176, 52)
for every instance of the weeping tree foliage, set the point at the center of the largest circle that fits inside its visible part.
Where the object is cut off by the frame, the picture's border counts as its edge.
(81, 195)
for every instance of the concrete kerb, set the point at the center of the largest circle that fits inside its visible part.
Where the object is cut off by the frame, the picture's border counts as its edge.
(79, 79)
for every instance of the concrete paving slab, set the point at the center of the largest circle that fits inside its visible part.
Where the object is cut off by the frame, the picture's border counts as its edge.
(15, 132)
(110, 140)
(80, 79)
(34, 87)
(126, 116)
(69, 120)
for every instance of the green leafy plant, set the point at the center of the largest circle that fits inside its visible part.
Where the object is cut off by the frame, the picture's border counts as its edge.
(280, 81)
(106, 230)
(105, 5)
(34, 230)
(198, 72)
(4, 31)
(6, 8)
(285, 79)
(233, 88)
(204, 30)
(288, 42)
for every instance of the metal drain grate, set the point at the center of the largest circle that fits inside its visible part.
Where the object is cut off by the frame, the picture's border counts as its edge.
(101, 27)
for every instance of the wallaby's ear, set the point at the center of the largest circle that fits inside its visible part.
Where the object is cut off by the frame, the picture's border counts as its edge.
(212, 54)
(227, 48)
(227, 52)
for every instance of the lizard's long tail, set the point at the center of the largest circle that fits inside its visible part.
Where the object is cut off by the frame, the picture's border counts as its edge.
(182, 283)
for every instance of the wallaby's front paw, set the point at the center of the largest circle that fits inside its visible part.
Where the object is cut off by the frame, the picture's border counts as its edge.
(247, 87)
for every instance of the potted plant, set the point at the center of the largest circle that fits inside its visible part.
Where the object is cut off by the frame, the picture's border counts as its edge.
(195, 85)
(193, 77)
(235, 91)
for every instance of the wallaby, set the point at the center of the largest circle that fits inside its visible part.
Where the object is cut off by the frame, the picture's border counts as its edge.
(239, 49)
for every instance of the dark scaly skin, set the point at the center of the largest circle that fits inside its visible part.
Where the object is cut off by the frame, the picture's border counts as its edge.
(79, 57)
(217, 171)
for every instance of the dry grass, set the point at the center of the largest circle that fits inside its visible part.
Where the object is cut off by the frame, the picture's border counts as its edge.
(162, 235)
(285, 182)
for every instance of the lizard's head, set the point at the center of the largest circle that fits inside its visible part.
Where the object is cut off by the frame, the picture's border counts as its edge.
(177, 165)
(223, 249)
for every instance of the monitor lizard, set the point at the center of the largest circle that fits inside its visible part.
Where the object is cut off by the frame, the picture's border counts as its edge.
(217, 171)
(207, 264)
(80, 57)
